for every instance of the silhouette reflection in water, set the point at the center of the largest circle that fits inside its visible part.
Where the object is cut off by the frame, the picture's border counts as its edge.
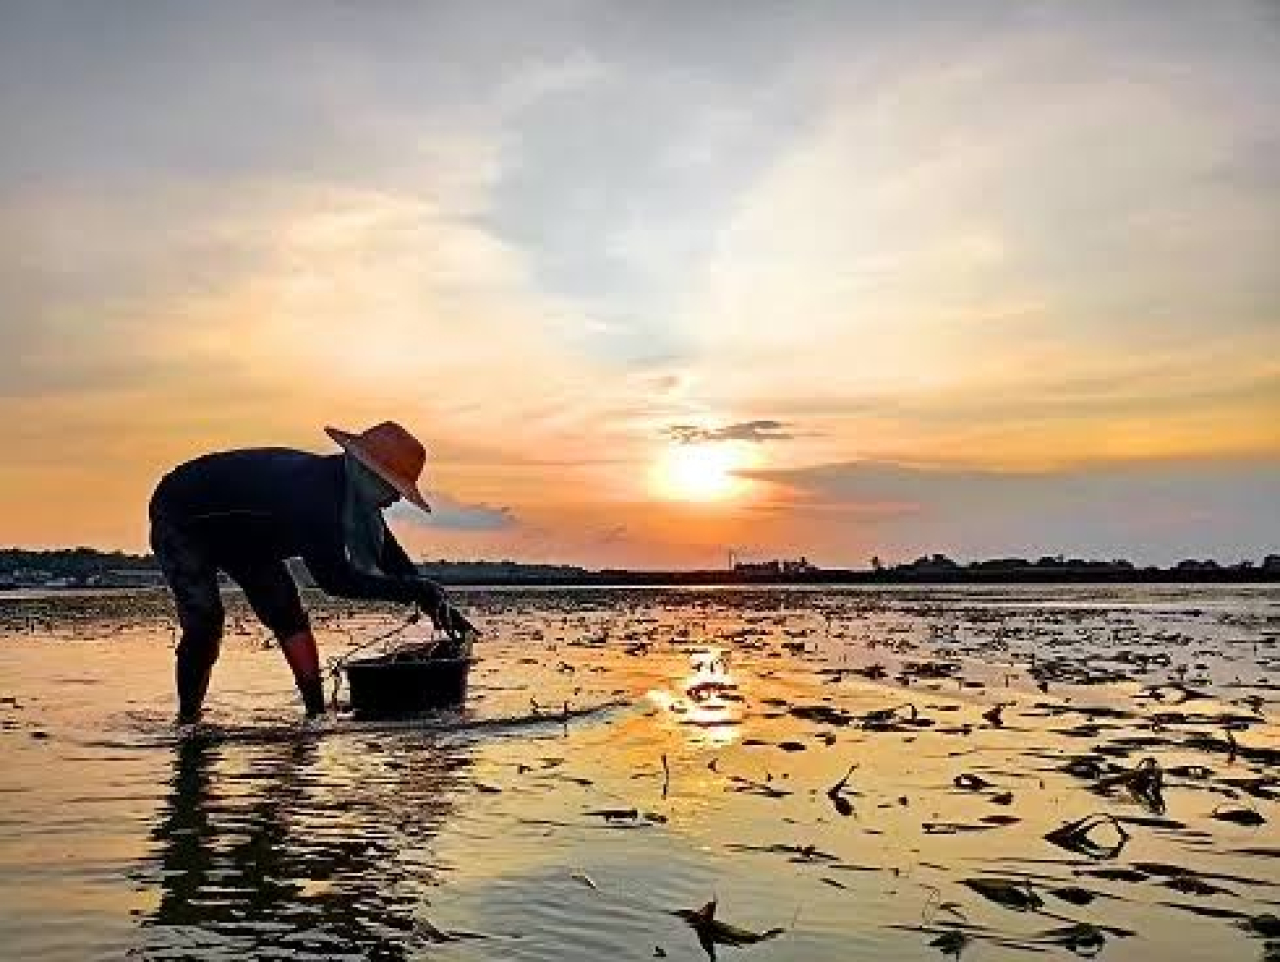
(300, 849)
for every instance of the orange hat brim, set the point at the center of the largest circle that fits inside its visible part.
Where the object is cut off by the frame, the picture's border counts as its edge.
(352, 444)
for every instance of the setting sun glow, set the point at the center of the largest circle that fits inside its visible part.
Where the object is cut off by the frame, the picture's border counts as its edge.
(700, 472)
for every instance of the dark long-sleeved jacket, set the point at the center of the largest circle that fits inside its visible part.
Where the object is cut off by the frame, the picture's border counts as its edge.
(262, 505)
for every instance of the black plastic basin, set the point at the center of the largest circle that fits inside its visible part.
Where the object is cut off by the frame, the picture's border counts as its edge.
(390, 686)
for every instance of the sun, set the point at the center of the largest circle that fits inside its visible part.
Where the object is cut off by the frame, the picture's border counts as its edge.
(699, 472)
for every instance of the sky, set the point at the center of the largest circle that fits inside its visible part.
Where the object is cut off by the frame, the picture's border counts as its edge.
(657, 281)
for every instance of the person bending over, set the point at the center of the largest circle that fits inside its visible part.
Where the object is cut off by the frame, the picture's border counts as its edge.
(245, 512)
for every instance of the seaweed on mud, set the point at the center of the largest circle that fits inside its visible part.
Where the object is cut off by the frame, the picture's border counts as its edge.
(1117, 874)
(764, 789)
(953, 828)
(1016, 894)
(1083, 766)
(1181, 871)
(891, 719)
(425, 930)
(798, 853)
(1000, 819)
(931, 669)
(1145, 784)
(1263, 786)
(712, 932)
(1260, 851)
(950, 938)
(1194, 885)
(627, 817)
(1081, 938)
(1080, 836)
(1074, 894)
(822, 714)
(836, 793)
(1153, 821)
(1205, 911)
(1265, 925)
(1239, 816)
(951, 942)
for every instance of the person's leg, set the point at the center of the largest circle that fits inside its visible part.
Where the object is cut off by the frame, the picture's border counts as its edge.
(193, 580)
(303, 656)
(273, 595)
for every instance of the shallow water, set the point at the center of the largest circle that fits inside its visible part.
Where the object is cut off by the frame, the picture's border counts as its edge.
(506, 832)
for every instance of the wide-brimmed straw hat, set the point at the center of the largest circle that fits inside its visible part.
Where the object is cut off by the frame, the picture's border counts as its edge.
(392, 453)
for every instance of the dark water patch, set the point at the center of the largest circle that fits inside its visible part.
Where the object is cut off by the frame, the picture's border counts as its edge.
(285, 875)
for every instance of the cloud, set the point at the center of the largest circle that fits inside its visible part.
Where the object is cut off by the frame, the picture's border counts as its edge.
(613, 534)
(450, 513)
(544, 239)
(1160, 510)
(926, 240)
(753, 431)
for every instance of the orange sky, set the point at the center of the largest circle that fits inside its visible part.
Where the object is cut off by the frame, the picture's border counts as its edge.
(983, 282)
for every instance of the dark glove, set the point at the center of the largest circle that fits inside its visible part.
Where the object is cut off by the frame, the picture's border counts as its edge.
(429, 597)
(454, 622)
(444, 616)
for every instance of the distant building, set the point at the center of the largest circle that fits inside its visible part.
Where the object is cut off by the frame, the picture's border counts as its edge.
(1191, 564)
(798, 567)
(774, 567)
(31, 576)
(758, 567)
(497, 572)
(1271, 563)
(131, 578)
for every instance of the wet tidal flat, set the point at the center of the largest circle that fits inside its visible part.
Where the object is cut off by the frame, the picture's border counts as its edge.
(977, 773)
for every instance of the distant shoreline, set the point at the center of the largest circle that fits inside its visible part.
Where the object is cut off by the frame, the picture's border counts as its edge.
(78, 568)
(819, 579)
(726, 579)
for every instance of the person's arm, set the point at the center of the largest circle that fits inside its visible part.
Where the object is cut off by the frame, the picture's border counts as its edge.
(335, 575)
(394, 559)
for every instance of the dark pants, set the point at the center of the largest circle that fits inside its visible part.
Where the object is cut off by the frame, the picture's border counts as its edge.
(191, 570)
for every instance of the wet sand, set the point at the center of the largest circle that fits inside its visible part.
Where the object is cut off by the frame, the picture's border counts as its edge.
(873, 772)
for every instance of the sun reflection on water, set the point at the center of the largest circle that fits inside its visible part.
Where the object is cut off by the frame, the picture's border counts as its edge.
(707, 702)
